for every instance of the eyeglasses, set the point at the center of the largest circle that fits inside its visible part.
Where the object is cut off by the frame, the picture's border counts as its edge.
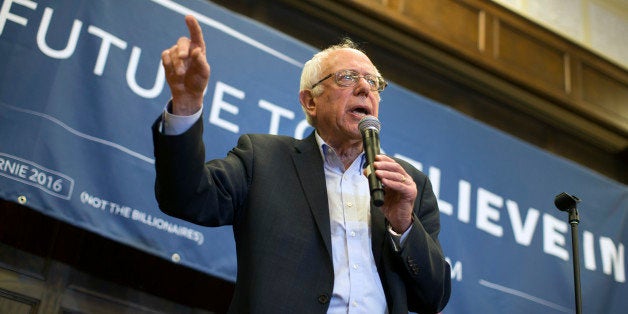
(348, 78)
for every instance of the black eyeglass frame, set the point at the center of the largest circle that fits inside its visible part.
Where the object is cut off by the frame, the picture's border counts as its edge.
(355, 78)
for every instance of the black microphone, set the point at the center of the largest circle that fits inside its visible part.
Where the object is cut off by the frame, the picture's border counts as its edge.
(369, 127)
(566, 202)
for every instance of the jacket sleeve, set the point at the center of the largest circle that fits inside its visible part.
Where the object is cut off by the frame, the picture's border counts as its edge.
(186, 187)
(422, 264)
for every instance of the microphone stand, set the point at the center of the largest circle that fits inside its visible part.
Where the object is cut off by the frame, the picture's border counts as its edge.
(566, 202)
(574, 220)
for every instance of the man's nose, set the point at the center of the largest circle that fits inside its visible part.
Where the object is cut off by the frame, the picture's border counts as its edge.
(362, 87)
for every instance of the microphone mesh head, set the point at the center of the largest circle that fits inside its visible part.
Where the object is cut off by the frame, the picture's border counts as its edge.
(369, 122)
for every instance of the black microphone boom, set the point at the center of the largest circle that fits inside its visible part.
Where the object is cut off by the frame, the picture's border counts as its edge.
(369, 127)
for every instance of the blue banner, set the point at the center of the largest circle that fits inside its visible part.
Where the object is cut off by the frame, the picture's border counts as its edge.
(81, 83)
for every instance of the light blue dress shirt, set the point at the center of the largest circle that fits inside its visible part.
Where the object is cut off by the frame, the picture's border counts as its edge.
(357, 287)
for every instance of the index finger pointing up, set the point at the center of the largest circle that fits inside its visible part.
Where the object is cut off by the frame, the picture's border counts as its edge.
(196, 34)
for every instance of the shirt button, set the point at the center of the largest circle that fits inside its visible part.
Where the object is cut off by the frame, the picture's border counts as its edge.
(352, 233)
(355, 304)
(349, 204)
(355, 266)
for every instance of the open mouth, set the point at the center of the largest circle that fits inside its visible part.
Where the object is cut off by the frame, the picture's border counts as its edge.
(360, 111)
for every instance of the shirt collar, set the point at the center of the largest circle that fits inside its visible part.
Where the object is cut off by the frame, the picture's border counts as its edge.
(327, 151)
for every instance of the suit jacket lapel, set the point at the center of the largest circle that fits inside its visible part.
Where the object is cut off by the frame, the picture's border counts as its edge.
(378, 234)
(309, 166)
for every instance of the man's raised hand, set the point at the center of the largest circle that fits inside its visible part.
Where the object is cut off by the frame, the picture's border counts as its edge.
(187, 70)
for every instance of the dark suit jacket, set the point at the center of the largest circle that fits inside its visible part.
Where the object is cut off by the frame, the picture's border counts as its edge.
(272, 190)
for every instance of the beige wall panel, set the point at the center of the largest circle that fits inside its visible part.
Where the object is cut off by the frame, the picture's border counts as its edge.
(562, 16)
(608, 32)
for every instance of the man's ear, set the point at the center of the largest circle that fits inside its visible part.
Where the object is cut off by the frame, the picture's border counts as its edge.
(307, 102)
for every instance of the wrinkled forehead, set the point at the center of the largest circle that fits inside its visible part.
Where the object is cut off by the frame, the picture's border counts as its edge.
(347, 58)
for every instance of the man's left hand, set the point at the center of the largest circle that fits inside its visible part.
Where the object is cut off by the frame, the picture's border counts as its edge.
(400, 192)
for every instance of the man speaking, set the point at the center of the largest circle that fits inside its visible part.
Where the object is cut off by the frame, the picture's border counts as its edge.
(308, 238)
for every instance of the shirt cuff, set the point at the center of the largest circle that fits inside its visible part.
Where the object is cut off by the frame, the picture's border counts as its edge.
(173, 124)
(398, 239)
